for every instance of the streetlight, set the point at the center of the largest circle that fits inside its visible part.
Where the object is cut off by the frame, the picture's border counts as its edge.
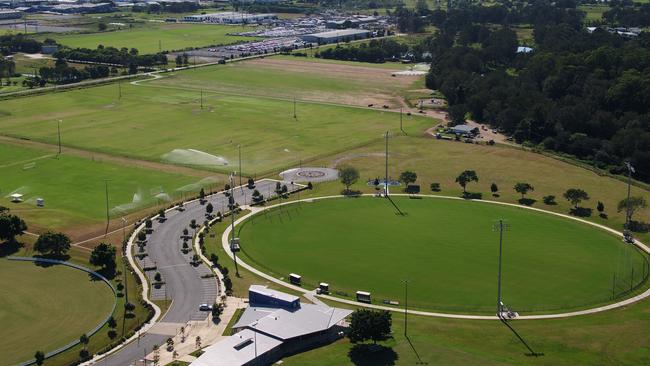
(123, 230)
(500, 227)
(107, 215)
(386, 176)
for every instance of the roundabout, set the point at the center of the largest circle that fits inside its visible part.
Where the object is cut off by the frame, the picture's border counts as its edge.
(447, 250)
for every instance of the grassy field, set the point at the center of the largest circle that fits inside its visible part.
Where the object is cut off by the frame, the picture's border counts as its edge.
(45, 312)
(442, 161)
(149, 122)
(289, 77)
(73, 187)
(446, 248)
(146, 38)
(618, 337)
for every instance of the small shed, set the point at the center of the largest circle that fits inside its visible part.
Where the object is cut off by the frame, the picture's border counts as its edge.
(294, 279)
(324, 288)
(363, 296)
(463, 130)
(16, 197)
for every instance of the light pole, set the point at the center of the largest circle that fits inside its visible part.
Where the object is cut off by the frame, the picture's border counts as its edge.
(123, 230)
(406, 305)
(500, 227)
(231, 201)
(58, 130)
(294, 108)
(239, 148)
(386, 176)
(107, 215)
(626, 234)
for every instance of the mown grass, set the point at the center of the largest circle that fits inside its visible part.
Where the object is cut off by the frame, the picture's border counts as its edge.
(149, 122)
(74, 187)
(448, 251)
(45, 311)
(154, 37)
(442, 161)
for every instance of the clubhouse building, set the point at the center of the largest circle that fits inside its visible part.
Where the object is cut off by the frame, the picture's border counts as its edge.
(274, 325)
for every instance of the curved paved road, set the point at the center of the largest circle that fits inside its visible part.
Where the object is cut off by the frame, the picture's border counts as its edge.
(184, 286)
(645, 294)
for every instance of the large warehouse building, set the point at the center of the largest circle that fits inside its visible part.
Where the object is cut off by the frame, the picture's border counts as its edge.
(229, 17)
(341, 35)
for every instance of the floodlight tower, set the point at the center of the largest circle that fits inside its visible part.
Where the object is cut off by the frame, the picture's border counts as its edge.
(108, 219)
(58, 130)
(500, 227)
(231, 204)
(386, 176)
(406, 304)
(626, 232)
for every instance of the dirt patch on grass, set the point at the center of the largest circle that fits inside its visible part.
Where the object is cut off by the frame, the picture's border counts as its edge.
(380, 87)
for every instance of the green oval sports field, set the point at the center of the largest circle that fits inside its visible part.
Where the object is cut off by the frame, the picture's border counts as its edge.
(448, 251)
(44, 308)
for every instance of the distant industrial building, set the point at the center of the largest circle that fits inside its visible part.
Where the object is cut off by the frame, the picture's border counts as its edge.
(229, 17)
(10, 14)
(274, 325)
(343, 35)
(352, 22)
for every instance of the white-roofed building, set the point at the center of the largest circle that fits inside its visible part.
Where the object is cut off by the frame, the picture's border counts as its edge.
(267, 333)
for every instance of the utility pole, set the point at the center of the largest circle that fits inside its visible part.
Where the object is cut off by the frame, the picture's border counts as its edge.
(107, 215)
(119, 90)
(294, 108)
(386, 176)
(400, 120)
(232, 228)
(239, 148)
(58, 129)
(500, 227)
(406, 305)
(630, 170)
(201, 98)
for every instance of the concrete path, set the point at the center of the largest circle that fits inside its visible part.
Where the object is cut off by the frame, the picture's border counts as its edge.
(309, 293)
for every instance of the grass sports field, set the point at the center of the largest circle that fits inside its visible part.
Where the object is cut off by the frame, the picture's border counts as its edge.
(150, 122)
(146, 39)
(45, 312)
(360, 84)
(447, 249)
(73, 187)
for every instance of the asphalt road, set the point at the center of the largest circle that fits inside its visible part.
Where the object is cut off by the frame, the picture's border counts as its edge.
(184, 285)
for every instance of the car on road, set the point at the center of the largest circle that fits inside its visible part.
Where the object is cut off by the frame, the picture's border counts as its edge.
(205, 307)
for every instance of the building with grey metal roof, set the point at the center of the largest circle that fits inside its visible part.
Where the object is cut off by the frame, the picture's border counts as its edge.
(341, 35)
(266, 333)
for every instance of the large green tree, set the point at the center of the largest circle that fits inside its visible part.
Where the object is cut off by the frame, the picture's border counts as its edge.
(366, 324)
(575, 196)
(523, 188)
(408, 177)
(103, 255)
(11, 226)
(636, 203)
(52, 243)
(466, 177)
(348, 176)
